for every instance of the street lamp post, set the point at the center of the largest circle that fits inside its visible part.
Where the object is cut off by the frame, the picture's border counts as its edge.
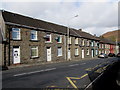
(68, 40)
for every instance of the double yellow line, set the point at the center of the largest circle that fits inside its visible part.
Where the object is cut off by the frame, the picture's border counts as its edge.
(72, 83)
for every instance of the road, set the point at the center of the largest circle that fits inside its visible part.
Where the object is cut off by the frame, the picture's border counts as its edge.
(73, 74)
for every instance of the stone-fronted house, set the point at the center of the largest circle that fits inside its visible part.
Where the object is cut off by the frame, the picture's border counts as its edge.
(107, 46)
(89, 44)
(25, 40)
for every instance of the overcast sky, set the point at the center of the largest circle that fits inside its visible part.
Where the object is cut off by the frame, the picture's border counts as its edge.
(94, 16)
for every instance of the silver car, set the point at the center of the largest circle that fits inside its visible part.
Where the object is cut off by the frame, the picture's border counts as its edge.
(102, 55)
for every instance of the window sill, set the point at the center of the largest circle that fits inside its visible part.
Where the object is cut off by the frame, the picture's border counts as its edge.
(34, 40)
(76, 55)
(48, 42)
(59, 42)
(59, 56)
(34, 57)
(76, 44)
(16, 39)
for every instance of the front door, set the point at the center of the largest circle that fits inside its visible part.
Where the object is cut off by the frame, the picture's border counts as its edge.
(83, 53)
(69, 54)
(48, 53)
(16, 55)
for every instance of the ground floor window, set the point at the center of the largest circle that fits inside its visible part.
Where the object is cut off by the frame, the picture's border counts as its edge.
(76, 51)
(34, 51)
(59, 51)
(96, 52)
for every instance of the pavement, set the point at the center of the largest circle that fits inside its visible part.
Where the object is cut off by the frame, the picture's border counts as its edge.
(74, 74)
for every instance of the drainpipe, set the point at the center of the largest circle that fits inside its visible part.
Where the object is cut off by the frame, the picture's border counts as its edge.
(9, 48)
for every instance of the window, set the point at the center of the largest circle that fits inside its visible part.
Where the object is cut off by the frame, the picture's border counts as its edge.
(96, 43)
(83, 42)
(88, 53)
(70, 40)
(33, 35)
(76, 51)
(88, 43)
(102, 45)
(48, 38)
(34, 51)
(59, 39)
(92, 43)
(96, 52)
(59, 51)
(16, 33)
(76, 40)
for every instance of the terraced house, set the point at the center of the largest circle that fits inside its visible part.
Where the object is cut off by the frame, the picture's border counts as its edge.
(28, 40)
(106, 46)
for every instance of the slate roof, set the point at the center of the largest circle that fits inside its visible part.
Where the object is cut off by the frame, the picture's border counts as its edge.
(107, 41)
(18, 19)
(86, 35)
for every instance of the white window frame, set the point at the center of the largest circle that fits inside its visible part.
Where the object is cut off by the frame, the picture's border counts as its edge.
(96, 52)
(70, 40)
(59, 51)
(96, 44)
(83, 42)
(50, 36)
(35, 33)
(34, 47)
(60, 39)
(19, 36)
(92, 43)
(88, 43)
(76, 40)
(76, 52)
(88, 52)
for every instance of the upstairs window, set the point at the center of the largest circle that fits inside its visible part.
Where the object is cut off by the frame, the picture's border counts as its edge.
(76, 40)
(16, 34)
(59, 39)
(92, 43)
(48, 38)
(83, 42)
(97, 44)
(88, 43)
(34, 35)
(69, 40)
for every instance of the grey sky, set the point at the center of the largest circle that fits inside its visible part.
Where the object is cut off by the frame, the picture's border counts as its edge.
(95, 16)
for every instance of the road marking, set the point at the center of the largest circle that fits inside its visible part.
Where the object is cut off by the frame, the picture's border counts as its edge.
(72, 82)
(73, 65)
(34, 72)
(93, 81)
(83, 64)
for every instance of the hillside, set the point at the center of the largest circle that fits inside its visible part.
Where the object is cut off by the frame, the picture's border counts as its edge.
(112, 35)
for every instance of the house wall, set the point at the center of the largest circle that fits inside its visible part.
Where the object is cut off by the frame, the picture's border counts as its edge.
(25, 43)
(1, 54)
(25, 47)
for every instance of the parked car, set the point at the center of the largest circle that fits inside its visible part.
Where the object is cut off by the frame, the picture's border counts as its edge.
(102, 55)
(118, 55)
(111, 55)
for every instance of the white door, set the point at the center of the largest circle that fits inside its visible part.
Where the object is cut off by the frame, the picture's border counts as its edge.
(16, 55)
(69, 55)
(83, 53)
(92, 53)
(48, 53)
